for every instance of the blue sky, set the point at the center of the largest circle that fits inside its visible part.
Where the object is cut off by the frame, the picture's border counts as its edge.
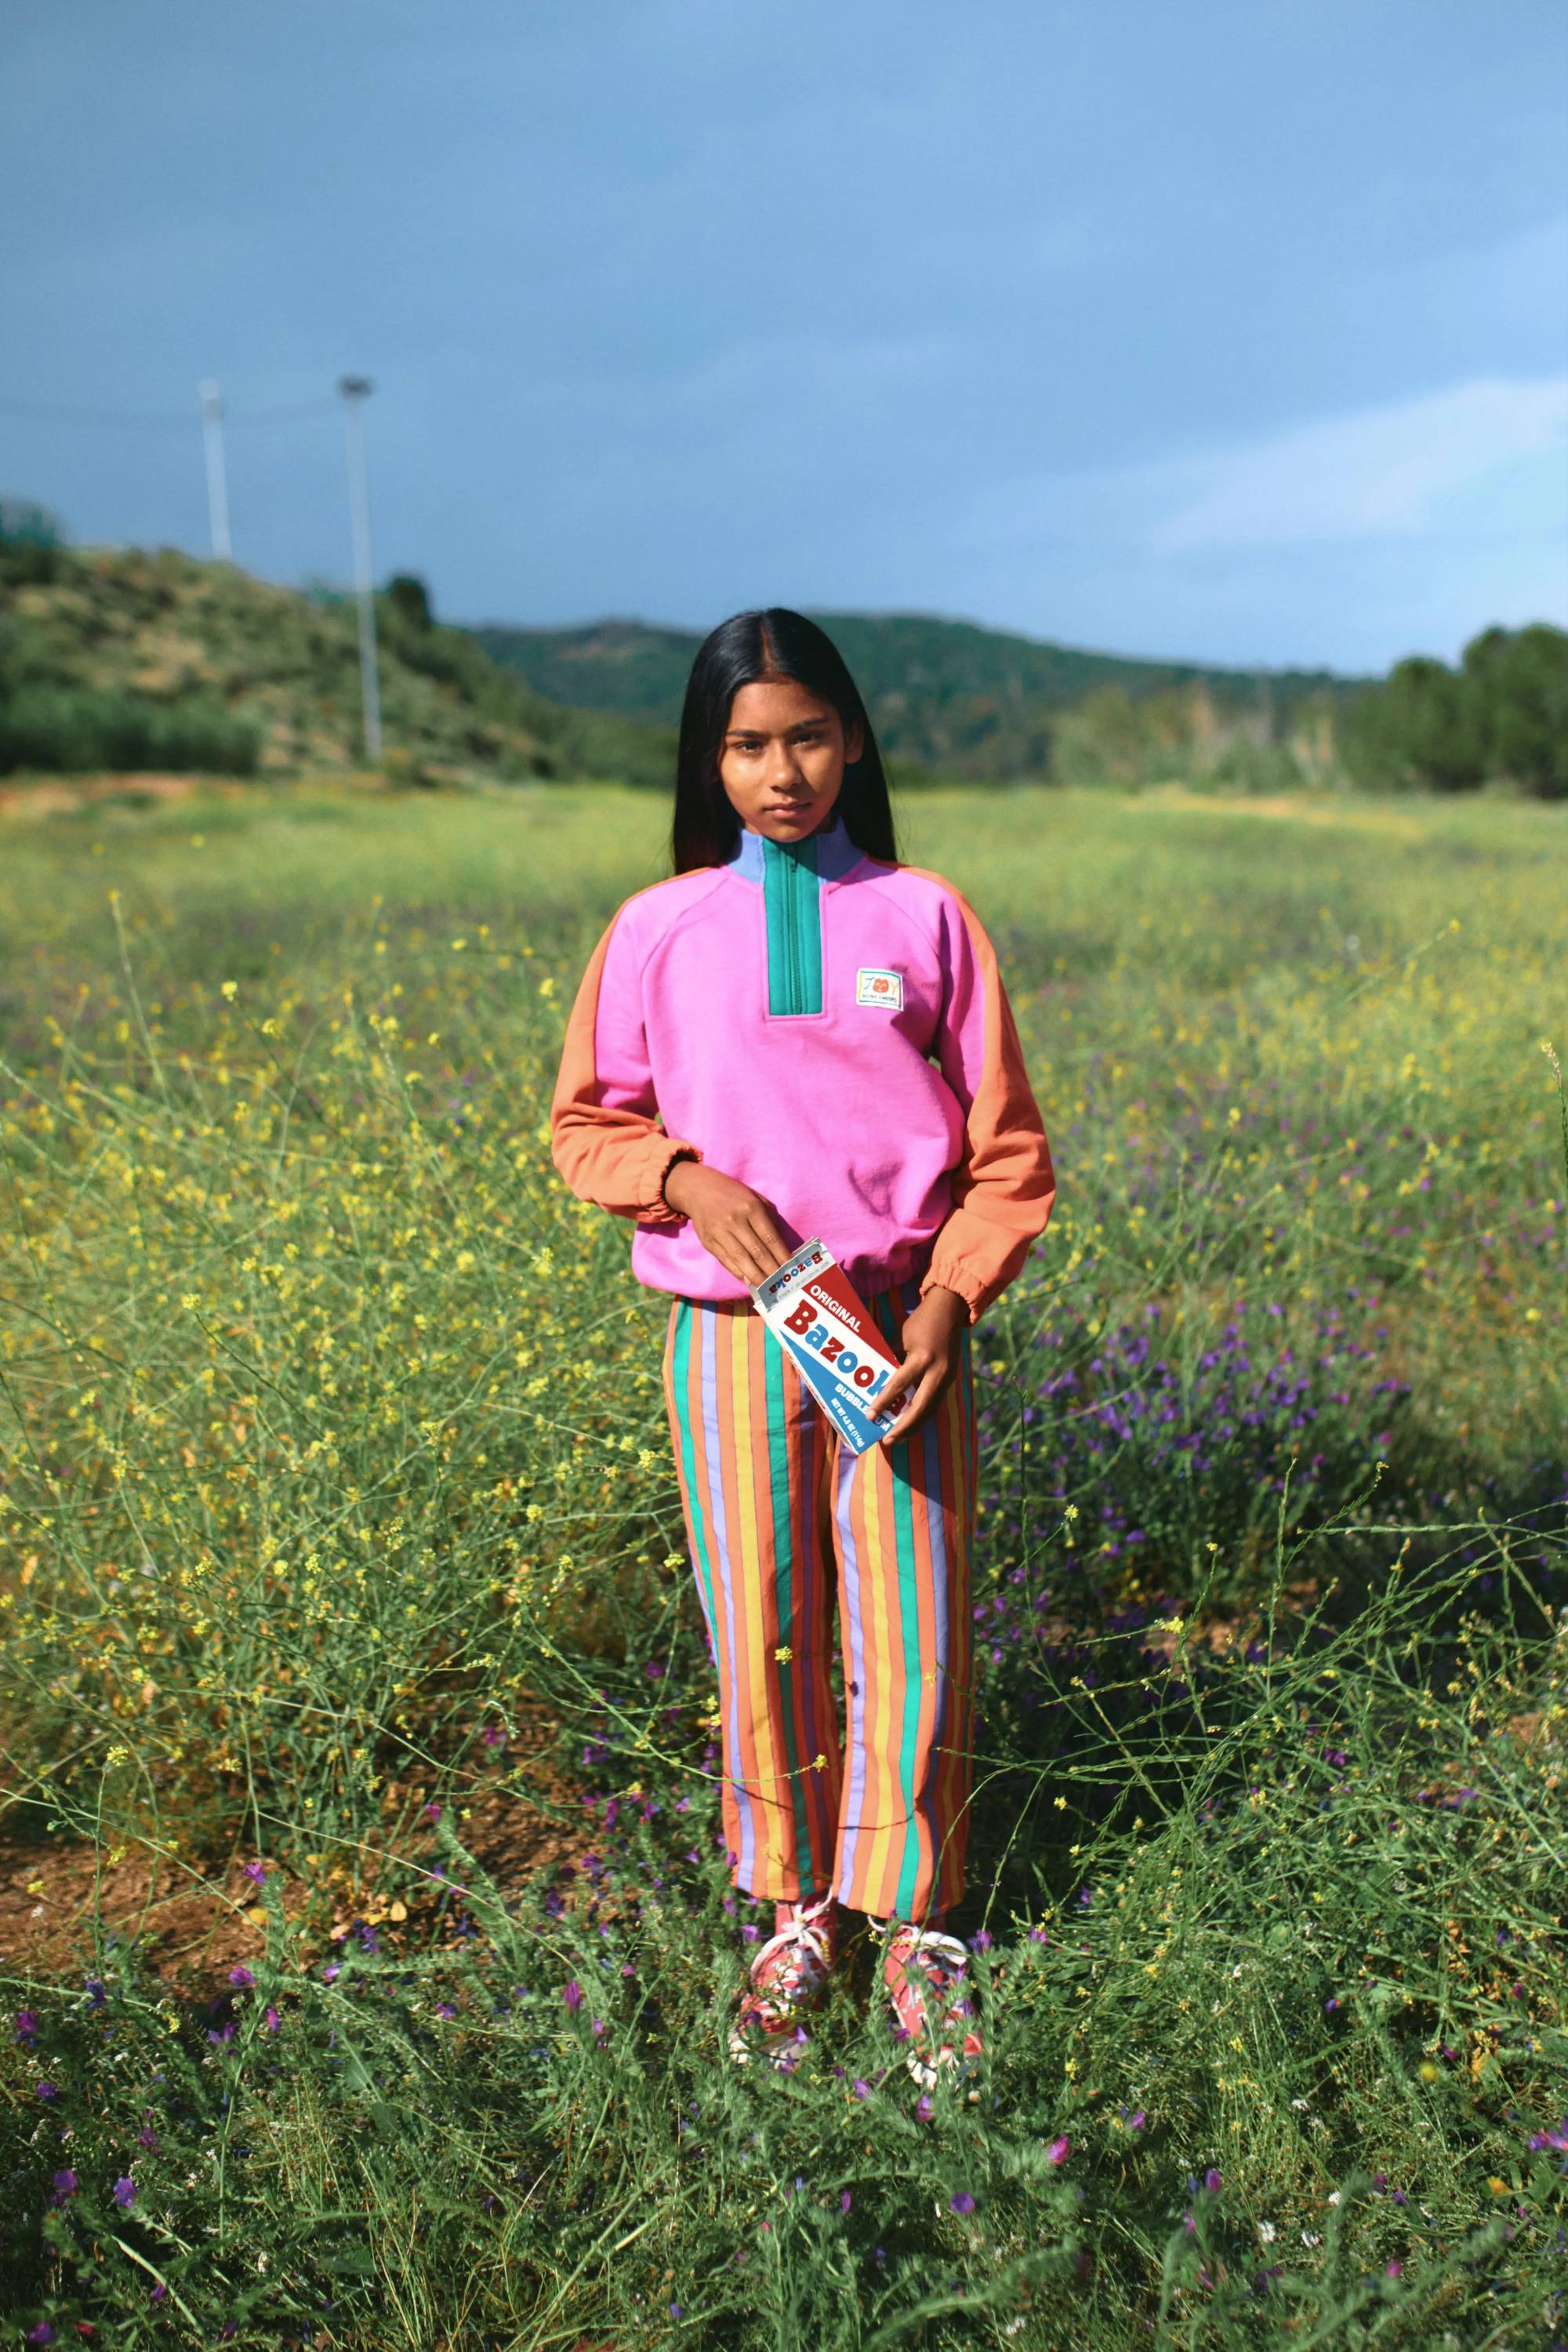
(1214, 328)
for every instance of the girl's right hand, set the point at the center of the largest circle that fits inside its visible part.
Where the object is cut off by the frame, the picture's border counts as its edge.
(734, 1223)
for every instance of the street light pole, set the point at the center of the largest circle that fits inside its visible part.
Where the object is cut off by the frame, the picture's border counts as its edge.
(217, 473)
(356, 390)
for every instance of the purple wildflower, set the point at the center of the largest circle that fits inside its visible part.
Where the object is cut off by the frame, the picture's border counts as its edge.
(1214, 2181)
(49, 2091)
(572, 1994)
(241, 1978)
(844, 2200)
(962, 2203)
(1059, 2149)
(26, 2024)
(65, 2185)
(257, 1873)
(125, 2193)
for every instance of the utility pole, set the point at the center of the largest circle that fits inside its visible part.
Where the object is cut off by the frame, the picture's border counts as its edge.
(356, 390)
(217, 473)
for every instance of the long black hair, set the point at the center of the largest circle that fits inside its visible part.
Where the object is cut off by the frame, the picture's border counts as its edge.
(742, 651)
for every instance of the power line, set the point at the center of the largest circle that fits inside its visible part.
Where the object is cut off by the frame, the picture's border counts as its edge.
(160, 420)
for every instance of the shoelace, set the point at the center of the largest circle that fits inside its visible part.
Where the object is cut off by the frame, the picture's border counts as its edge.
(807, 1933)
(772, 2008)
(935, 2008)
(946, 1949)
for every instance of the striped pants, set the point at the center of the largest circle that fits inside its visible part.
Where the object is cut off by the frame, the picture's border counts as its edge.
(778, 1514)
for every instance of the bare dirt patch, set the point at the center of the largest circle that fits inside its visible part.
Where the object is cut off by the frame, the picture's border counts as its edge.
(66, 1903)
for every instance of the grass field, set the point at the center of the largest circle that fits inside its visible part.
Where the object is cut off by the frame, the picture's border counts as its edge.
(366, 1927)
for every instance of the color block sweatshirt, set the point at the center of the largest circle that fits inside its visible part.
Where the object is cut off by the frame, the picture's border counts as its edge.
(833, 1031)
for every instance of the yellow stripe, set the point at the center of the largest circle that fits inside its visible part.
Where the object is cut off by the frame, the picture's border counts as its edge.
(749, 1594)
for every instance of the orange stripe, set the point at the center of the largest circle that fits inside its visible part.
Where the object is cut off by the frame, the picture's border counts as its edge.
(701, 1499)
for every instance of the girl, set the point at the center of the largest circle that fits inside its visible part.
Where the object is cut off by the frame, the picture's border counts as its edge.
(799, 1036)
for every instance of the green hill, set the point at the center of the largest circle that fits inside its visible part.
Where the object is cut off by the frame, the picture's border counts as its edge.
(947, 695)
(123, 659)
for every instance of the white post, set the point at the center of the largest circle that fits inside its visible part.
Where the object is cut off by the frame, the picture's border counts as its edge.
(356, 390)
(217, 473)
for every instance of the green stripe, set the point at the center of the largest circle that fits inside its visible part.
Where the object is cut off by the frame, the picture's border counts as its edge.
(682, 1384)
(784, 1590)
(791, 896)
(908, 1605)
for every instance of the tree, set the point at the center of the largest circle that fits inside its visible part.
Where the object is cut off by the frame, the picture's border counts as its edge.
(1417, 729)
(32, 542)
(410, 599)
(1517, 680)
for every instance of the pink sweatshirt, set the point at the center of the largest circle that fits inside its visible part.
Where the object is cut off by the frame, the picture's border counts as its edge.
(834, 1032)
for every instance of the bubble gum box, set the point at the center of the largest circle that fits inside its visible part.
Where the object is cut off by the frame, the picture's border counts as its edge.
(814, 1314)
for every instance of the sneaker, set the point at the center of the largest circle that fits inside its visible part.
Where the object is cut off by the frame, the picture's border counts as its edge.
(933, 2005)
(788, 1979)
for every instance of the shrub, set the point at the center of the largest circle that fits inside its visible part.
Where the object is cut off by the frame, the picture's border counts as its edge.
(1519, 681)
(1502, 714)
(71, 730)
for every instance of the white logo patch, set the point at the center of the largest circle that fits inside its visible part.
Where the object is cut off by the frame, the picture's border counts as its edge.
(885, 989)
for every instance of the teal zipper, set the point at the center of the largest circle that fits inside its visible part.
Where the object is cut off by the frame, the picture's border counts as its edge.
(792, 897)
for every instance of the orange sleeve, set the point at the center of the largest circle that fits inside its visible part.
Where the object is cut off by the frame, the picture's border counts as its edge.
(604, 1135)
(1005, 1185)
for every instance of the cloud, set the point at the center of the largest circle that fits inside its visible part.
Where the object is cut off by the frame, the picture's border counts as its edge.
(1373, 473)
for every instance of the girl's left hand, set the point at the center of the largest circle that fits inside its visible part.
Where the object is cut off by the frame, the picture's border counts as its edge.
(930, 1341)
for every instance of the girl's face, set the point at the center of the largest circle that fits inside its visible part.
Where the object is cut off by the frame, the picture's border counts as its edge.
(782, 758)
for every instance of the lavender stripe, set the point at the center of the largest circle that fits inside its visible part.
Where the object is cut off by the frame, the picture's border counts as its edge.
(936, 1529)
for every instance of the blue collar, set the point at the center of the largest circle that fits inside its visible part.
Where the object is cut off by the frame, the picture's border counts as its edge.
(829, 853)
